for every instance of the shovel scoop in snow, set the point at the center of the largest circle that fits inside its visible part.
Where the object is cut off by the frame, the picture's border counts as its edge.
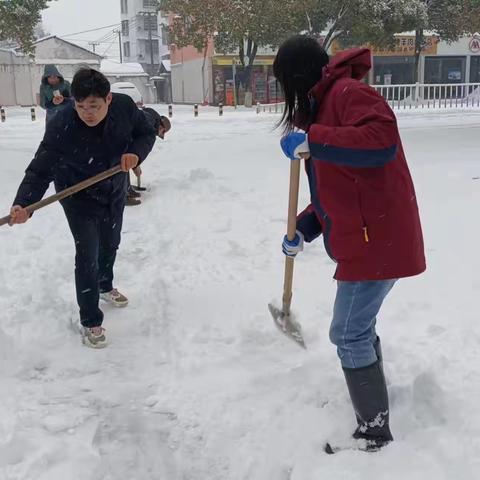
(287, 325)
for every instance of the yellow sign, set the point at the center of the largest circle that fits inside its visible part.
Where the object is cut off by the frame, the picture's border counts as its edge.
(229, 61)
(404, 47)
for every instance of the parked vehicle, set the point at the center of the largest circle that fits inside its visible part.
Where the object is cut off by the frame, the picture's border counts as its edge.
(129, 89)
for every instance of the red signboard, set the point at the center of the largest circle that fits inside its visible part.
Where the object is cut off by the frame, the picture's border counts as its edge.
(475, 44)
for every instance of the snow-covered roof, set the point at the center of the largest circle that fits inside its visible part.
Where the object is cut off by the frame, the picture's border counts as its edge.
(65, 61)
(111, 67)
(167, 65)
(67, 42)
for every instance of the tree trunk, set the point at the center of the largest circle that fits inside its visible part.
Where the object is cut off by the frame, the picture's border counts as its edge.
(248, 68)
(419, 43)
(248, 74)
(204, 90)
(331, 35)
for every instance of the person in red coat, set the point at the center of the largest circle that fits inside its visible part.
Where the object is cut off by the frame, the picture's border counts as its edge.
(363, 202)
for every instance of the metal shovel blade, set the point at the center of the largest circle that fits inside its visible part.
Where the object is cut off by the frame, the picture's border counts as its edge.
(287, 325)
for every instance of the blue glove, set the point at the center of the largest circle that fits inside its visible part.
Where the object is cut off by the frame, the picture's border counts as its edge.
(293, 144)
(291, 248)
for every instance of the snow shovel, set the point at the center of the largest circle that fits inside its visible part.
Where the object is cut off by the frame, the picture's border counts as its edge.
(68, 192)
(139, 187)
(283, 317)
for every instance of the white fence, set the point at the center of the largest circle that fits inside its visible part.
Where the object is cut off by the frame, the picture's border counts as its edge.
(420, 95)
(270, 107)
(423, 95)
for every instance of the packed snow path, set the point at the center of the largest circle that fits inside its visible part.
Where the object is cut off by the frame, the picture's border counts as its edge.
(196, 383)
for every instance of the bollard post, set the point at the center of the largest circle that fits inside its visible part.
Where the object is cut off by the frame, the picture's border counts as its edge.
(2, 114)
(33, 114)
(170, 111)
(220, 109)
(195, 110)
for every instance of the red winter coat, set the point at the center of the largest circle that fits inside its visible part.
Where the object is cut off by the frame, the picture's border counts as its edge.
(362, 194)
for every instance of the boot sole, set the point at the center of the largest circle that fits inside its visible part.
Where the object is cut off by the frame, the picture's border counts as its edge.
(116, 305)
(95, 346)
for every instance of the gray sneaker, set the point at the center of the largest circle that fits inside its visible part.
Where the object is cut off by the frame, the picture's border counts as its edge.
(94, 337)
(114, 297)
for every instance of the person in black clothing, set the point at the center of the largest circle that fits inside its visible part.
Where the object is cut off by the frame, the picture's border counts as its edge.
(162, 126)
(96, 132)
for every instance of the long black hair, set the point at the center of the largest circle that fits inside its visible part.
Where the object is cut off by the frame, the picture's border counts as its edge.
(298, 67)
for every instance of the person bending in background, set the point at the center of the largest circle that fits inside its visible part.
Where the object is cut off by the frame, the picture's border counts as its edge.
(162, 126)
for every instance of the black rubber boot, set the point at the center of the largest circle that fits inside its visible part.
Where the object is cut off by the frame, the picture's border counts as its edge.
(369, 396)
(378, 350)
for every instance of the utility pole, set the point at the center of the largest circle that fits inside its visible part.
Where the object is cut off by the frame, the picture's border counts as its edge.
(150, 15)
(119, 43)
(93, 44)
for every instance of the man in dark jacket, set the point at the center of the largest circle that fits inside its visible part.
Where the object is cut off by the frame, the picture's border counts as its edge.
(363, 201)
(54, 91)
(97, 132)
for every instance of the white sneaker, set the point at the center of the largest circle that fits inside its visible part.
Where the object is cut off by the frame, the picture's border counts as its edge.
(94, 337)
(115, 298)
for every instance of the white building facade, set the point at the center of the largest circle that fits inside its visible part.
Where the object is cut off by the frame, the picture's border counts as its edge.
(144, 34)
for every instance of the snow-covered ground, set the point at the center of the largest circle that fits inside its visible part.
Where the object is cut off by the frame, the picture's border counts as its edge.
(196, 383)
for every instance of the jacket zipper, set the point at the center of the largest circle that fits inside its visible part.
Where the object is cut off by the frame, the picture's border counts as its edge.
(366, 235)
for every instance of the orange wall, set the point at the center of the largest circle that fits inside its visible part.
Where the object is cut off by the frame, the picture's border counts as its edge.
(181, 55)
(186, 54)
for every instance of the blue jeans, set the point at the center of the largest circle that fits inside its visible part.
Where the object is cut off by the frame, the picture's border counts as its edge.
(97, 238)
(354, 317)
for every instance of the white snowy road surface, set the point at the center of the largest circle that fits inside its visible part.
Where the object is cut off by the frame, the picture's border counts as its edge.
(197, 383)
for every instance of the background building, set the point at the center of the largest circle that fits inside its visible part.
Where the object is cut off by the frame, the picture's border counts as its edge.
(144, 34)
(210, 77)
(441, 62)
(132, 73)
(20, 77)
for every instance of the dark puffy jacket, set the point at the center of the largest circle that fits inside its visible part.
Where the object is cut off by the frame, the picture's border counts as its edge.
(363, 198)
(72, 152)
(46, 90)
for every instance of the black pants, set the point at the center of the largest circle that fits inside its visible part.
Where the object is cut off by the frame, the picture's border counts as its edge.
(97, 237)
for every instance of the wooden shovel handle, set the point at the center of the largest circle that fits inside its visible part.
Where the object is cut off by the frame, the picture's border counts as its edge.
(291, 231)
(68, 191)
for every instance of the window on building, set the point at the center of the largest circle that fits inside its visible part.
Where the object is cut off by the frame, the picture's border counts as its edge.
(393, 70)
(150, 3)
(156, 49)
(165, 35)
(445, 69)
(126, 49)
(125, 28)
(475, 69)
(124, 6)
(150, 23)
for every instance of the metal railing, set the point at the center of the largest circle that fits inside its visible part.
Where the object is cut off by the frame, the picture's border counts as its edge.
(270, 107)
(420, 95)
(426, 95)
